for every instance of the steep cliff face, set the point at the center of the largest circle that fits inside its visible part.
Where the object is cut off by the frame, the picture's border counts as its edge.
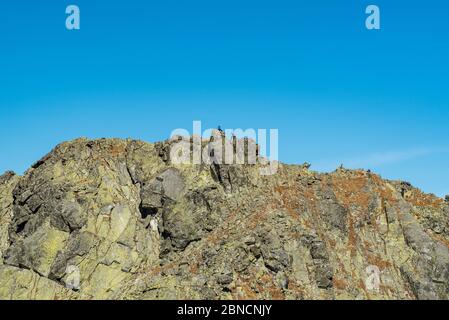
(116, 219)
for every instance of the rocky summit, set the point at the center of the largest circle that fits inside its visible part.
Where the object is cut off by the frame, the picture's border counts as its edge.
(117, 219)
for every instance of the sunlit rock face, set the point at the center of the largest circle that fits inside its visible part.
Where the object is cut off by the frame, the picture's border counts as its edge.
(117, 219)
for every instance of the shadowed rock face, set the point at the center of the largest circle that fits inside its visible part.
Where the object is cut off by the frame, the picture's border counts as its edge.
(116, 219)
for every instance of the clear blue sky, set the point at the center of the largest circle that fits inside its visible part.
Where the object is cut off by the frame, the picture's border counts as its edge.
(337, 92)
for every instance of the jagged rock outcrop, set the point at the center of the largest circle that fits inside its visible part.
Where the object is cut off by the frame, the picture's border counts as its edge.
(118, 219)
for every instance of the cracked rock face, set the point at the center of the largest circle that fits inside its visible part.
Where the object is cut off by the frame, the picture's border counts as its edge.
(116, 219)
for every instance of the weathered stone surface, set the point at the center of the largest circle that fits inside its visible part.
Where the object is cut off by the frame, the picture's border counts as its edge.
(78, 209)
(118, 219)
(8, 182)
(22, 284)
(38, 251)
(273, 253)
